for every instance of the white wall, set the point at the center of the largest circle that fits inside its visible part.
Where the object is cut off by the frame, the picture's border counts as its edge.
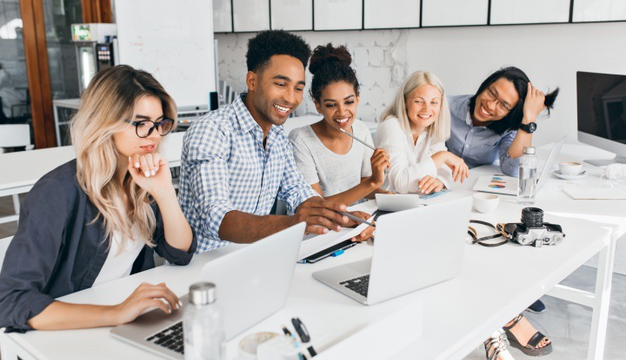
(549, 54)
(463, 57)
(379, 58)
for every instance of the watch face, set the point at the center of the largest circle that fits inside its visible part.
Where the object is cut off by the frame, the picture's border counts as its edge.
(529, 128)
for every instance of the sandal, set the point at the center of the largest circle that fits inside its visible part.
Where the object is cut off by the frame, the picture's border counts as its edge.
(495, 347)
(530, 348)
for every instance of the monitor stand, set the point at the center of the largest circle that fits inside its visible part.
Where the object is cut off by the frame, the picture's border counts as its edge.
(604, 162)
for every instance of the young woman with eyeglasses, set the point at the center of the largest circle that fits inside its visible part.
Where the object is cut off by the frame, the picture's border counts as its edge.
(100, 217)
(498, 121)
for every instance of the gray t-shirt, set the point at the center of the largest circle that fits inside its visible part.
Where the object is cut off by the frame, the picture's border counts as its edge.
(334, 172)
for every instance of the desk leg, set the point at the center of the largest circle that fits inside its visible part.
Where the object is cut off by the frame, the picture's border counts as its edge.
(601, 304)
(56, 124)
(16, 203)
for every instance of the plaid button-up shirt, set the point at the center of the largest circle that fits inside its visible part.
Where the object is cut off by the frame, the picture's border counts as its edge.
(225, 167)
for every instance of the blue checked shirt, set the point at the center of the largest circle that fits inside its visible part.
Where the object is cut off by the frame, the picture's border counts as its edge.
(225, 167)
(478, 145)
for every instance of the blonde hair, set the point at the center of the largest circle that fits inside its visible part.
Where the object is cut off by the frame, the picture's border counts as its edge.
(440, 129)
(105, 107)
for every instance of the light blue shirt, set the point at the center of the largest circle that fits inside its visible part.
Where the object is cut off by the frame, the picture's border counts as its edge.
(225, 167)
(478, 145)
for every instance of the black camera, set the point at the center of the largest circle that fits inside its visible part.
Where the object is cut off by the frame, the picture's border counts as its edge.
(533, 231)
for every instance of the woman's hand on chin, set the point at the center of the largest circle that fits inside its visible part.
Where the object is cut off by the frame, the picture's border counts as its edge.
(151, 173)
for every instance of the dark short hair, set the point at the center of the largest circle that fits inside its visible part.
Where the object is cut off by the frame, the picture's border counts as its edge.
(328, 65)
(520, 82)
(275, 42)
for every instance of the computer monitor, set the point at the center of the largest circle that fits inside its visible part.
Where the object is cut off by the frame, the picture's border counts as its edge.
(601, 102)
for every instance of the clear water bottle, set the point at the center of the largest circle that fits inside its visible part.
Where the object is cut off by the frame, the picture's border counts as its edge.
(527, 184)
(203, 325)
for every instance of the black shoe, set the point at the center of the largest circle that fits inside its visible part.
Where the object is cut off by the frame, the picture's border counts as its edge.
(537, 307)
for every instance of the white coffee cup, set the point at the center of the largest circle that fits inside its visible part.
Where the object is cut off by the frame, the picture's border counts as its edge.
(570, 168)
(485, 203)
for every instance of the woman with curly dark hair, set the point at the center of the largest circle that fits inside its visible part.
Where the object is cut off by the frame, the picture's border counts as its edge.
(338, 167)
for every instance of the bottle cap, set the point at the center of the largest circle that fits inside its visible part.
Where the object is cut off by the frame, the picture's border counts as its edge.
(202, 293)
(529, 150)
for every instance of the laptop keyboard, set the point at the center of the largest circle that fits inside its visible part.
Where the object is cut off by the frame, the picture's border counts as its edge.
(170, 338)
(358, 285)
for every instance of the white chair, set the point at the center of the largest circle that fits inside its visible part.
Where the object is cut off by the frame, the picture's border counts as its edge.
(172, 148)
(14, 136)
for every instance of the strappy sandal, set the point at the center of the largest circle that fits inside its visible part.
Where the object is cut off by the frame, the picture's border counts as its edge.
(530, 348)
(495, 346)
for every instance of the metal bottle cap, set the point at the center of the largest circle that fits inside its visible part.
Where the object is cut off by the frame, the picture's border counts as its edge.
(202, 293)
(529, 150)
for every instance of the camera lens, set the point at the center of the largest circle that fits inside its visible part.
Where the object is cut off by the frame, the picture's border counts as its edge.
(532, 217)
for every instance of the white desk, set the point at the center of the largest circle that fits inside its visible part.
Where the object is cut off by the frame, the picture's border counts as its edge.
(457, 315)
(21, 170)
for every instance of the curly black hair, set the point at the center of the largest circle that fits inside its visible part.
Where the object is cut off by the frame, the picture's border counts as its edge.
(520, 82)
(275, 42)
(328, 65)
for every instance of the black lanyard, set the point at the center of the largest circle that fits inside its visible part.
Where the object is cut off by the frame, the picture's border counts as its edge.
(499, 229)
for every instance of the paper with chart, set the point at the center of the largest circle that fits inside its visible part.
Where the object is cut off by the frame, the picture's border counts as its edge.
(497, 184)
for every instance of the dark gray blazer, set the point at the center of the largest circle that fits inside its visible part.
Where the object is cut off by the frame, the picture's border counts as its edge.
(57, 250)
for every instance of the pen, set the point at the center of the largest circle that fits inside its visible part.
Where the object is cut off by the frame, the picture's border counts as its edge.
(357, 139)
(357, 219)
(303, 333)
(288, 333)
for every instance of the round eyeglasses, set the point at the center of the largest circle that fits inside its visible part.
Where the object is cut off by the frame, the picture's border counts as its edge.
(502, 107)
(143, 128)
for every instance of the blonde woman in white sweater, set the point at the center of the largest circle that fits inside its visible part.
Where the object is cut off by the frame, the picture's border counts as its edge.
(413, 131)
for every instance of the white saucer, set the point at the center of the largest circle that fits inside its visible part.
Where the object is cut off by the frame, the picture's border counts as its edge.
(558, 174)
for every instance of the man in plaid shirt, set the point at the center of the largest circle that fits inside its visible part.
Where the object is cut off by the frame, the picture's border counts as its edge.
(237, 160)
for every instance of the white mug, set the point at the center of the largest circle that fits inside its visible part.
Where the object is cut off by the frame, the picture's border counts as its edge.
(570, 168)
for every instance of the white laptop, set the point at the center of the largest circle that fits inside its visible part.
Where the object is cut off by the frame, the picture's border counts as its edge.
(413, 249)
(397, 202)
(507, 185)
(252, 283)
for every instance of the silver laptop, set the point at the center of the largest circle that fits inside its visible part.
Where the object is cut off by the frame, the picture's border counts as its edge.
(397, 202)
(261, 271)
(413, 249)
(507, 185)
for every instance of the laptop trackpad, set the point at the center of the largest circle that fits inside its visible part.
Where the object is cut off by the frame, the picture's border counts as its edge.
(362, 267)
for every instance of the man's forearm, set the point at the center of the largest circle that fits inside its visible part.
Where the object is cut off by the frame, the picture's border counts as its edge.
(244, 228)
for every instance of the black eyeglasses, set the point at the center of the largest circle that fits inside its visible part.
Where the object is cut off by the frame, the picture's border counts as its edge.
(144, 128)
(500, 105)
